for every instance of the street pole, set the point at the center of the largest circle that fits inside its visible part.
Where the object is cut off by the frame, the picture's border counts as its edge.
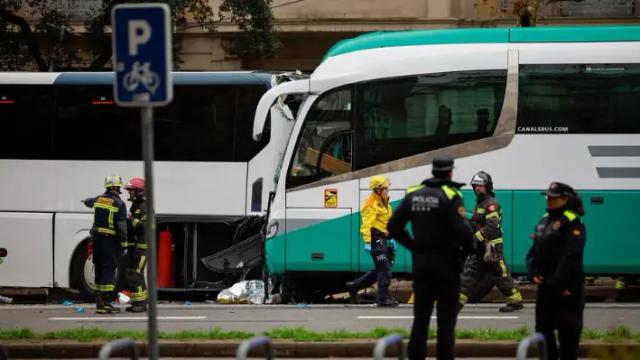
(150, 229)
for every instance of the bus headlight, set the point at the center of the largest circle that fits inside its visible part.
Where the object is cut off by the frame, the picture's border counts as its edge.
(272, 229)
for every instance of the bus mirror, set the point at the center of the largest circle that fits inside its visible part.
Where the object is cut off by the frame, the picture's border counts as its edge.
(270, 97)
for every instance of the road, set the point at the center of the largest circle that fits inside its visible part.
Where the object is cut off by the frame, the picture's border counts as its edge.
(257, 318)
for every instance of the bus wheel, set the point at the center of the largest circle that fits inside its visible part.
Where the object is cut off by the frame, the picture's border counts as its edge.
(82, 274)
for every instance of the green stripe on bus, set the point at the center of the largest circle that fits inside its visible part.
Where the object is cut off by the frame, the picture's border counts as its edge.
(575, 34)
(418, 37)
(485, 35)
(611, 246)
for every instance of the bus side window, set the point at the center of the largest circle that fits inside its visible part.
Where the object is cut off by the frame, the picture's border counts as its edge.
(579, 98)
(27, 114)
(401, 117)
(324, 148)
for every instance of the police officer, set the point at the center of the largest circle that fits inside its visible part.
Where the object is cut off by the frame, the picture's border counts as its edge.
(442, 240)
(137, 260)
(554, 262)
(108, 240)
(486, 266)
(375, 213)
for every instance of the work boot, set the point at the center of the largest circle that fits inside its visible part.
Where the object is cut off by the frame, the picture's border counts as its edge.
(112, 309)
(353, 293)
(512, 307)
(137, 307)
(104, 307)
(388, 302)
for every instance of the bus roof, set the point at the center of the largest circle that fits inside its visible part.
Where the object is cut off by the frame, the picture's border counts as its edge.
(485, 35)
(106, 78)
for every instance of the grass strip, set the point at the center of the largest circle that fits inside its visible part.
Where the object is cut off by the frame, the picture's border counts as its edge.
(618, 334)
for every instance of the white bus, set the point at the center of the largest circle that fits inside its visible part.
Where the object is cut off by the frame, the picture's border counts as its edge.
(62, 134)
(528, 105)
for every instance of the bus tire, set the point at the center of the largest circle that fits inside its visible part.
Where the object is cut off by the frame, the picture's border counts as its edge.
(81, 273)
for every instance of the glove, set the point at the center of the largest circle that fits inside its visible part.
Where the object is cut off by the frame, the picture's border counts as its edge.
(123, 251)
(367, 248)
(391, 251)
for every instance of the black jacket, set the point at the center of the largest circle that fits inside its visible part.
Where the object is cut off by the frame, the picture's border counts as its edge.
(437, 218)
(137, 218)
(109, 216)
(557, 250)
(486, 219)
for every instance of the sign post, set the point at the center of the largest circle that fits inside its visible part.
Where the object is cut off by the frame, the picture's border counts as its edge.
(142, 63)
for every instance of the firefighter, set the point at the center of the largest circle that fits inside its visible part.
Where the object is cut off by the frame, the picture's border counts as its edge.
(137, 259)
(442, 239)
(108, 240)
(486, 266)
(375, 213)
(554, 263)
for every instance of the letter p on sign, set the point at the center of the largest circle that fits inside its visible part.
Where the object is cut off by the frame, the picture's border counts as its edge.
(139, 34)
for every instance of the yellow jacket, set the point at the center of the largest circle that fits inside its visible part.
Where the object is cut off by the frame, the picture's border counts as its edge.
(375, 213)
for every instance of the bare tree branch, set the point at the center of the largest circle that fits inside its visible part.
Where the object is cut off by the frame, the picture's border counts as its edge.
(29, 39)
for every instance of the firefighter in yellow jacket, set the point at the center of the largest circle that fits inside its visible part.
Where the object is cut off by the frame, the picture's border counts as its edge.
(375, 213)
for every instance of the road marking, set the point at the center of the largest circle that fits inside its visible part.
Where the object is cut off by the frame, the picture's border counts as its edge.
(127, 318)
(462, 317)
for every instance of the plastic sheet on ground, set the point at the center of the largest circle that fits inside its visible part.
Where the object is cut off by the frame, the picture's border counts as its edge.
(243, 292)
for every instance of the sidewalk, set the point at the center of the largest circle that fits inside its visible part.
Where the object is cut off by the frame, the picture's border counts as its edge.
(289, 349)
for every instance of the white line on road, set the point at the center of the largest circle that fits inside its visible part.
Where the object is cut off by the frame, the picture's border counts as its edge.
(463, 317)
(127, 318)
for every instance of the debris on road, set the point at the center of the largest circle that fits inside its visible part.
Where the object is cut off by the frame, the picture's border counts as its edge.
(243, 292)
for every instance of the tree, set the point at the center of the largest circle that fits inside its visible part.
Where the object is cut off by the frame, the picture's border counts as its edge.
(527, 10)
(21, 42)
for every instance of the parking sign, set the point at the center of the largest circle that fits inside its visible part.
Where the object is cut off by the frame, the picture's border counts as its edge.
(142, 54)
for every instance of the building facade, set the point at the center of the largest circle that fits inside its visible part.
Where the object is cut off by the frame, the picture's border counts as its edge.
(307, 28)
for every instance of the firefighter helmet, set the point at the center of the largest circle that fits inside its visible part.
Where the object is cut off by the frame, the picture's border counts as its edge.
(483, 178)
(112, 181)
(135, 184)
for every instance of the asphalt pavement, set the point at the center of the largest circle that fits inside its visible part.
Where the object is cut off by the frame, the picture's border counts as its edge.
(258, 318)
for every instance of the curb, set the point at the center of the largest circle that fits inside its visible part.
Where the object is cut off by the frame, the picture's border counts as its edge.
(292, 349)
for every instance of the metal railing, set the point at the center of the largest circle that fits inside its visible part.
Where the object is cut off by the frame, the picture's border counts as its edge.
(247, 345)
(523, 347)
(119, 345)
(381, 346)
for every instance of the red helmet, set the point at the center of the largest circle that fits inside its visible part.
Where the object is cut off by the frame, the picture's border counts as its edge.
(136, 184)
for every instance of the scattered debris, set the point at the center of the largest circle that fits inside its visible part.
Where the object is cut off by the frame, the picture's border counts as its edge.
(5, 300)
(67, 303)
(123, 298)
(243, 292)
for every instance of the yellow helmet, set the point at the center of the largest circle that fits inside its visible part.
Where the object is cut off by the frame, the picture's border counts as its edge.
(112, 181)
(378, 181)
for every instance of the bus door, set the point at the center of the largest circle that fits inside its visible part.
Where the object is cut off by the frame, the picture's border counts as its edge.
(321, 198)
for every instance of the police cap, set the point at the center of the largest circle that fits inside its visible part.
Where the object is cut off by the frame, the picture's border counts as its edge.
(557, 189)
(442, 163)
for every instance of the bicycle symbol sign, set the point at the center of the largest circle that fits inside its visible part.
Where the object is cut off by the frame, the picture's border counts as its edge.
(140, 74)
(142, 55)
